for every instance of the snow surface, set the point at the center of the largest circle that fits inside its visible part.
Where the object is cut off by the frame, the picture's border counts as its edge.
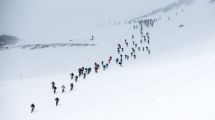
(174, 82)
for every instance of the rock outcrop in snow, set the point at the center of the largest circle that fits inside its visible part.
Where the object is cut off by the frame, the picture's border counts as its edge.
(6, 40)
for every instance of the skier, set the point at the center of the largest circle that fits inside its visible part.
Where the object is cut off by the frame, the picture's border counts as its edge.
(53, 84)
(63, 88)
(121, 56)
(76, 78)
(135, 45)
(141, 32)
(55, 88)
(148, 41)
(118, 50)
(143, 48)
(119, 46)
(147, 34)
(104, 66)
(133, 50)
(144, 38)
(117, 60)
(72, 75)
(131, 54)
(148, 51)
(102, 62)
(120, 63)
(134, 56)
(126, 57)
(84, 75)
(96, 69)
(138, 48)
(86, 70)
(89, 70)
(132, 36)
(147, 48)
(96, 65)
(80, 71)
(32, 107)
(126, 44)
(125, 41)
(92, 38)
(56, 100)
(110, 58)
(134, 26)
(71, 86)
(141, 41)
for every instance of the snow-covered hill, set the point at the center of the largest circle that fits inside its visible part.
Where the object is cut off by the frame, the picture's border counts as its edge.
(176, 81)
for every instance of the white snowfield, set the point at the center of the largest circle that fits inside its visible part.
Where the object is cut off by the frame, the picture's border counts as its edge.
(175, 82)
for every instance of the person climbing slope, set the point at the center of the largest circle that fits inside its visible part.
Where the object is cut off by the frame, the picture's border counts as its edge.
(32, 107)
(71, 86)
(53, 84)
(63, 88)
(57, 101)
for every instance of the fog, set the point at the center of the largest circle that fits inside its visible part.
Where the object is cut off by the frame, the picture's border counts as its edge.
(48, 20)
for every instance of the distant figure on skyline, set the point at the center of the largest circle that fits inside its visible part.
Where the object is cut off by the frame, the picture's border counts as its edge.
(92, 38)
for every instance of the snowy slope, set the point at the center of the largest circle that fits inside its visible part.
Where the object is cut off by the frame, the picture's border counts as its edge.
(176, 81)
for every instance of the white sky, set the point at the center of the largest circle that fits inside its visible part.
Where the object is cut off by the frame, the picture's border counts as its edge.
(55, 19)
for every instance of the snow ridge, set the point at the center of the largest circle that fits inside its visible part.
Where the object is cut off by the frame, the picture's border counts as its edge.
(165, 9)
